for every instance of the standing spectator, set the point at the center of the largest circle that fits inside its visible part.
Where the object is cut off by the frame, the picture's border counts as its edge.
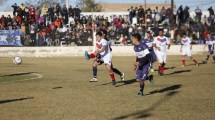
(57, 9)
(44, 11)
(15, 7)
(198, 14)
(22, 10)
(71, 11)
(77, 12)
(51, 13)
(64, 12)
(32, 13)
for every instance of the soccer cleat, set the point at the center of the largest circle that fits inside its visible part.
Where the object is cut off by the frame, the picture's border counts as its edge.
(197, 64)
(152, 70)
(151, 80)
(93, 80)
(183, 66)
(122, 77)
(113, 82)
(87, 56)
(140, 94)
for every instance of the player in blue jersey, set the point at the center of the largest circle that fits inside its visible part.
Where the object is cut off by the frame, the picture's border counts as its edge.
(143, 62)
(210, 42)
(149, 42)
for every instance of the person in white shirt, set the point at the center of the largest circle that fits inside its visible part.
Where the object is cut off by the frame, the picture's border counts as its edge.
(186, 48)
(160, 44)
(104, 55)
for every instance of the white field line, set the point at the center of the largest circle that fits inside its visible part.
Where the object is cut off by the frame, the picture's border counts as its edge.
(37, 76)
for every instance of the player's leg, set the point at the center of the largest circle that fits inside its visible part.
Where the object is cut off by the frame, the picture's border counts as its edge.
(183, 61)
(88, 56)
(111, 73)
(141, 76)
(183, 57)
(94, 66)
(107, 61)
(153, 60)
(194, 60)
(164, 57)
(160, 60)
(115, 70)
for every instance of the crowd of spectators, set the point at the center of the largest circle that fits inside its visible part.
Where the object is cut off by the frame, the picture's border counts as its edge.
(49, 25)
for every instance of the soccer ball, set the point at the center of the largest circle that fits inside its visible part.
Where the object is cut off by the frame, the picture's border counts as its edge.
(17, 60)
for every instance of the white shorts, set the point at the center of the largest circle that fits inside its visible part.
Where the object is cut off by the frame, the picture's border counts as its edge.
(107, 59)
(161, 56)
(186, 52)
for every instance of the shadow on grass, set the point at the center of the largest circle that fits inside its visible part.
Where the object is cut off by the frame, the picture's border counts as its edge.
(14, 100)
(57, 87)
(178, 72)
(17, 74)
(166, 68)
(126, 82)
(170, 88)
(147, 113)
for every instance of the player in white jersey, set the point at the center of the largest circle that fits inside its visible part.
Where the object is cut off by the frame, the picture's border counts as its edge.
(161, 43)
(186, 48)
(210, 42)
(105, 56)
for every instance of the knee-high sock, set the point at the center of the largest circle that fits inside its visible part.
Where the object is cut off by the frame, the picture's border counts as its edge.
(194, 61)
(92, 55)
(117, 71)
(142, 85)
(95, 72)
(183, 61)
(112, 76)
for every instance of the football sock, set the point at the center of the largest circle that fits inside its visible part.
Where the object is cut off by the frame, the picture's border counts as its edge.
(112, 76)
(183, 61)
(208, 56)
(162, 68)
(92, 55)
(94, 72)
(194, 61)
(142, 85)
(116, 71)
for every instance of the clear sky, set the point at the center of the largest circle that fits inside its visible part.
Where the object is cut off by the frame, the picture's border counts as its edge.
(203, 4)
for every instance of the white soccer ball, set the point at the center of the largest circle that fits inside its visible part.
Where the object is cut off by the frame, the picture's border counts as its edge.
(17, 60)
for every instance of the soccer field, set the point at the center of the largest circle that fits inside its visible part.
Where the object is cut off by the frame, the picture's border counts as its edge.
(59, 89)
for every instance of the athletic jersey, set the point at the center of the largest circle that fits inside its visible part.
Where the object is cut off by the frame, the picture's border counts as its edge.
(100, 45)
(186, 42)
(161, 42)
(210, 42)
(141, 51)
(149, 42)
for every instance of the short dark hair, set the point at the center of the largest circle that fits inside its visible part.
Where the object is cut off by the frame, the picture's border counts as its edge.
(99, 33)
(184, 33)
(104, 31)
(137, 35)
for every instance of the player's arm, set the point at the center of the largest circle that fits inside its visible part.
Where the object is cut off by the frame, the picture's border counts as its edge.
(181, 47)
(102, 50)
(155, 46)
(136, 63)
(168, 43)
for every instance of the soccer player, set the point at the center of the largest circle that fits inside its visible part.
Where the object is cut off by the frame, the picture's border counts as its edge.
(186, 48)
(149, 42)
(160, 43)
(143, 63)
(99, 61)
(210, 42)
(104, 56)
